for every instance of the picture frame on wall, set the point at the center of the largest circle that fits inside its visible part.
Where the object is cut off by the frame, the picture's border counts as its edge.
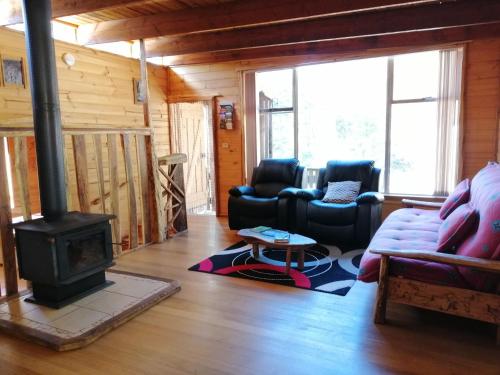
(13, 71)
(139, 91)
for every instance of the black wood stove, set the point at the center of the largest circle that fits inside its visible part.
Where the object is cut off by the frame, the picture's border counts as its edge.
(64, 254)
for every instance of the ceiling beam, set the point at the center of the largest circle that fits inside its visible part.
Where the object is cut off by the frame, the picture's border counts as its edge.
(387, 21)
(222, 16)
(412, 39)
(12, 11)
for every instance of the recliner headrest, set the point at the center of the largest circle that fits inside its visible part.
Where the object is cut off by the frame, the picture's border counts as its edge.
(276, 170)
(356, 170)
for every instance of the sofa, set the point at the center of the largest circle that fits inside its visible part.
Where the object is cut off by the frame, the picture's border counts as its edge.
(267, 201)
(348, 224)
(445, 259)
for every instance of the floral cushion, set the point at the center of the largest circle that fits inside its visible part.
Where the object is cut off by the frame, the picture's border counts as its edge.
(456, 228)
(459, 196)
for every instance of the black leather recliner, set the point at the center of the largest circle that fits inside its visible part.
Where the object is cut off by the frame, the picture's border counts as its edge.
(270, 200)
(352, 224)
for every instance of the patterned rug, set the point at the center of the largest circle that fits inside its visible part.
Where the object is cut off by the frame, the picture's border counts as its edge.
(326, 269)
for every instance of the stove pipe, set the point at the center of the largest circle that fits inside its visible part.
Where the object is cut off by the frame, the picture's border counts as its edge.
(46, 111)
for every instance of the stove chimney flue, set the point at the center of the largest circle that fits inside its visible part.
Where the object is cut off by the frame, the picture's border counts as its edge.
(46, 109)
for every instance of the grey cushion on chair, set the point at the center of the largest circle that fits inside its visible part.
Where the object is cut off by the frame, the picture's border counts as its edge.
(342, 192)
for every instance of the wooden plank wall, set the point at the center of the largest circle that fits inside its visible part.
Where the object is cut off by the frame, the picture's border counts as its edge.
(482, 105)
(96, 94)
(225, 79)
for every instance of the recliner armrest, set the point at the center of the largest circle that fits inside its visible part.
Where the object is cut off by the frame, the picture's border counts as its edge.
(370, 197)
(288, 192)
(238, 191)
(310, 194)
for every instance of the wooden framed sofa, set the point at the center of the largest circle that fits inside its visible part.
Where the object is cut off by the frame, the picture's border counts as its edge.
(415, 263)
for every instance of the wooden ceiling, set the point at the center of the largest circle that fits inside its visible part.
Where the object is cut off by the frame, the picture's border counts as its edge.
(194, 31)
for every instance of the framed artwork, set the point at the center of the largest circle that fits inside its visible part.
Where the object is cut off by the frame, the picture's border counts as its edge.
(13, 72)
(139, 92)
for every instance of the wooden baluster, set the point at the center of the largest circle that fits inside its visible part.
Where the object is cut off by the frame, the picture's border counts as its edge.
(114, 189)
(146, 192)
(132, 201)
(6, 233)
(21, 167)
(100, 170)
(81, 168)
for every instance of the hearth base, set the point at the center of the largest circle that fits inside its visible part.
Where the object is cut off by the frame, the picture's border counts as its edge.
(59, 296)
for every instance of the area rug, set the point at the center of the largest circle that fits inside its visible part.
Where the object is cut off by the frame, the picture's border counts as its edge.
(326, 269)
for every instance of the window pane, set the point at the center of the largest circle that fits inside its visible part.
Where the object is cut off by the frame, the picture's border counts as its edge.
(342, 111)
(276, 85)
(413, 148)
(416, 75)
(282, 135)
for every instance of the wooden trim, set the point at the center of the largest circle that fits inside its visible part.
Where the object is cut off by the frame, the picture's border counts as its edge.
(6, 232)
(222, 16)
(215, 121)
(387, 21)
(27, 132)
(410, 203)
(454, 301)
(456, 260)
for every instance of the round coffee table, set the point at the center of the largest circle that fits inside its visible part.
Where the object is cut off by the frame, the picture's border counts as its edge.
(296, 243)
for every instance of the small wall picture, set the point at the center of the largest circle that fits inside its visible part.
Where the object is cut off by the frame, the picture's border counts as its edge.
(139, 91)
(13, 72)
(226, 116)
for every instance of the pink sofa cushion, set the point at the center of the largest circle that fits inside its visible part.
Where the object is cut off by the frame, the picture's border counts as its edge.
(409, 229)
(485, 241)
(459, 196)
(456, 228)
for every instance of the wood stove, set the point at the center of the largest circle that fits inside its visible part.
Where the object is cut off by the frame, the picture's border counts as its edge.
(64, 254)
(65, 259)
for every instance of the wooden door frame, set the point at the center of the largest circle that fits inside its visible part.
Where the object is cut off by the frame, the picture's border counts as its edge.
(212, 103)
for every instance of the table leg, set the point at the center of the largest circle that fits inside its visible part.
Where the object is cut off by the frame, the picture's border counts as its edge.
(288, 260)
(255, 250)
(301, 259)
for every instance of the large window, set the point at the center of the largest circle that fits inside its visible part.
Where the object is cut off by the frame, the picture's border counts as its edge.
(393, 110)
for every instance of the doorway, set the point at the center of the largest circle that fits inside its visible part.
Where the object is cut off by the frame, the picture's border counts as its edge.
(192, 134)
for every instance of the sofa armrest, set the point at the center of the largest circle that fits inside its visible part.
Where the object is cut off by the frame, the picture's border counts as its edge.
(370, 197)
(288, 192)
(487, 265)
(410, 203)
(310, 194)
(238, 191)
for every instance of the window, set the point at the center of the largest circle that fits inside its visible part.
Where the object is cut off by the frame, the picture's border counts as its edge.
(401, 111)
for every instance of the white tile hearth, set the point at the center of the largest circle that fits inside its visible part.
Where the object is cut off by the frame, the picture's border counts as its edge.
(92, 316)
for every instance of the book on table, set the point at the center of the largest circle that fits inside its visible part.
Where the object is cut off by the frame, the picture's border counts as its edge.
(280, 236)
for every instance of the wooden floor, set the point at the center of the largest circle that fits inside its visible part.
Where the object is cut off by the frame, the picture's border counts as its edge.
(222, 325)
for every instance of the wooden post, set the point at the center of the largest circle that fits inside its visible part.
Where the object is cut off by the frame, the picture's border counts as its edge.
(383, 284)
(100, 170)
(6, 234)
(132, 199)
(156, 216)
(82, 171)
